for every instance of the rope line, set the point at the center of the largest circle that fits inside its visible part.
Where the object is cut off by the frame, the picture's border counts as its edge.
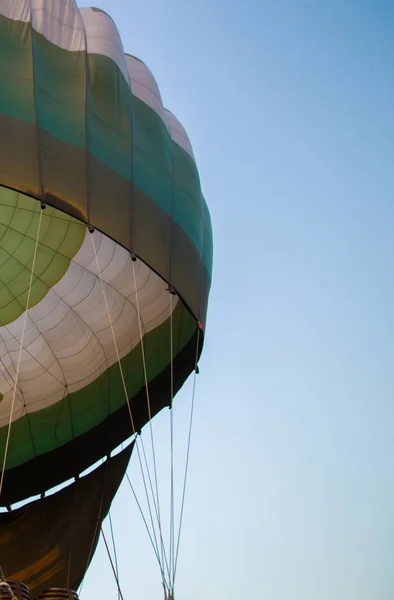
(151, 488)
(187, 454)
(163, 552)
(112, 332)
(155, 549)
(172, 504)
(162, 546)
(111, 561)
(128, 401)
(20, 353)
(96, 533)
(72, 534)
(114, 547)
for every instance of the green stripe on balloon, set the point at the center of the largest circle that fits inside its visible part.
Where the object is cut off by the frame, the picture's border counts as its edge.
(60, 238)
(48, 428)
(118, 123)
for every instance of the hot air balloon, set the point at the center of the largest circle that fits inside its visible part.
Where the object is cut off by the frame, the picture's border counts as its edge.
(105, 271)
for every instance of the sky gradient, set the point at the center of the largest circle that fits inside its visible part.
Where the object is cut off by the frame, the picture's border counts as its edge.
(289, 107)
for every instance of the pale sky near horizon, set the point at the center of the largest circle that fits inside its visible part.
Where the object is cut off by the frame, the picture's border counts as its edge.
(289, 107)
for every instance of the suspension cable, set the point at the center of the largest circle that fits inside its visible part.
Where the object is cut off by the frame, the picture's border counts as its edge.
(163, 552)
(72, 534)
(187, 453)
(127, 398)
(155, 550)
(111, 561)
(114, 547)
(119, 361)
(113, 333)
(96, 533)
(161, 555)
(20, 351)
(172, 507)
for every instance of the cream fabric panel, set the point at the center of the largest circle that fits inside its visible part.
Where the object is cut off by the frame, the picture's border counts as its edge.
(60, 22)
(103, 37)
(18, 10)
(178, 133)
(144, 86)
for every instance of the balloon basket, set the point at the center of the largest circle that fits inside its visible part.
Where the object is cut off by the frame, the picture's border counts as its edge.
(58, 594)
(19, 590)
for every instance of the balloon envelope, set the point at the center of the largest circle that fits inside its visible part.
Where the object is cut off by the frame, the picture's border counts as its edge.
(85, 134)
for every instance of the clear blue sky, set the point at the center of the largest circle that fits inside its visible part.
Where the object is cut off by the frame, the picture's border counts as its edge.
(289, 106)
